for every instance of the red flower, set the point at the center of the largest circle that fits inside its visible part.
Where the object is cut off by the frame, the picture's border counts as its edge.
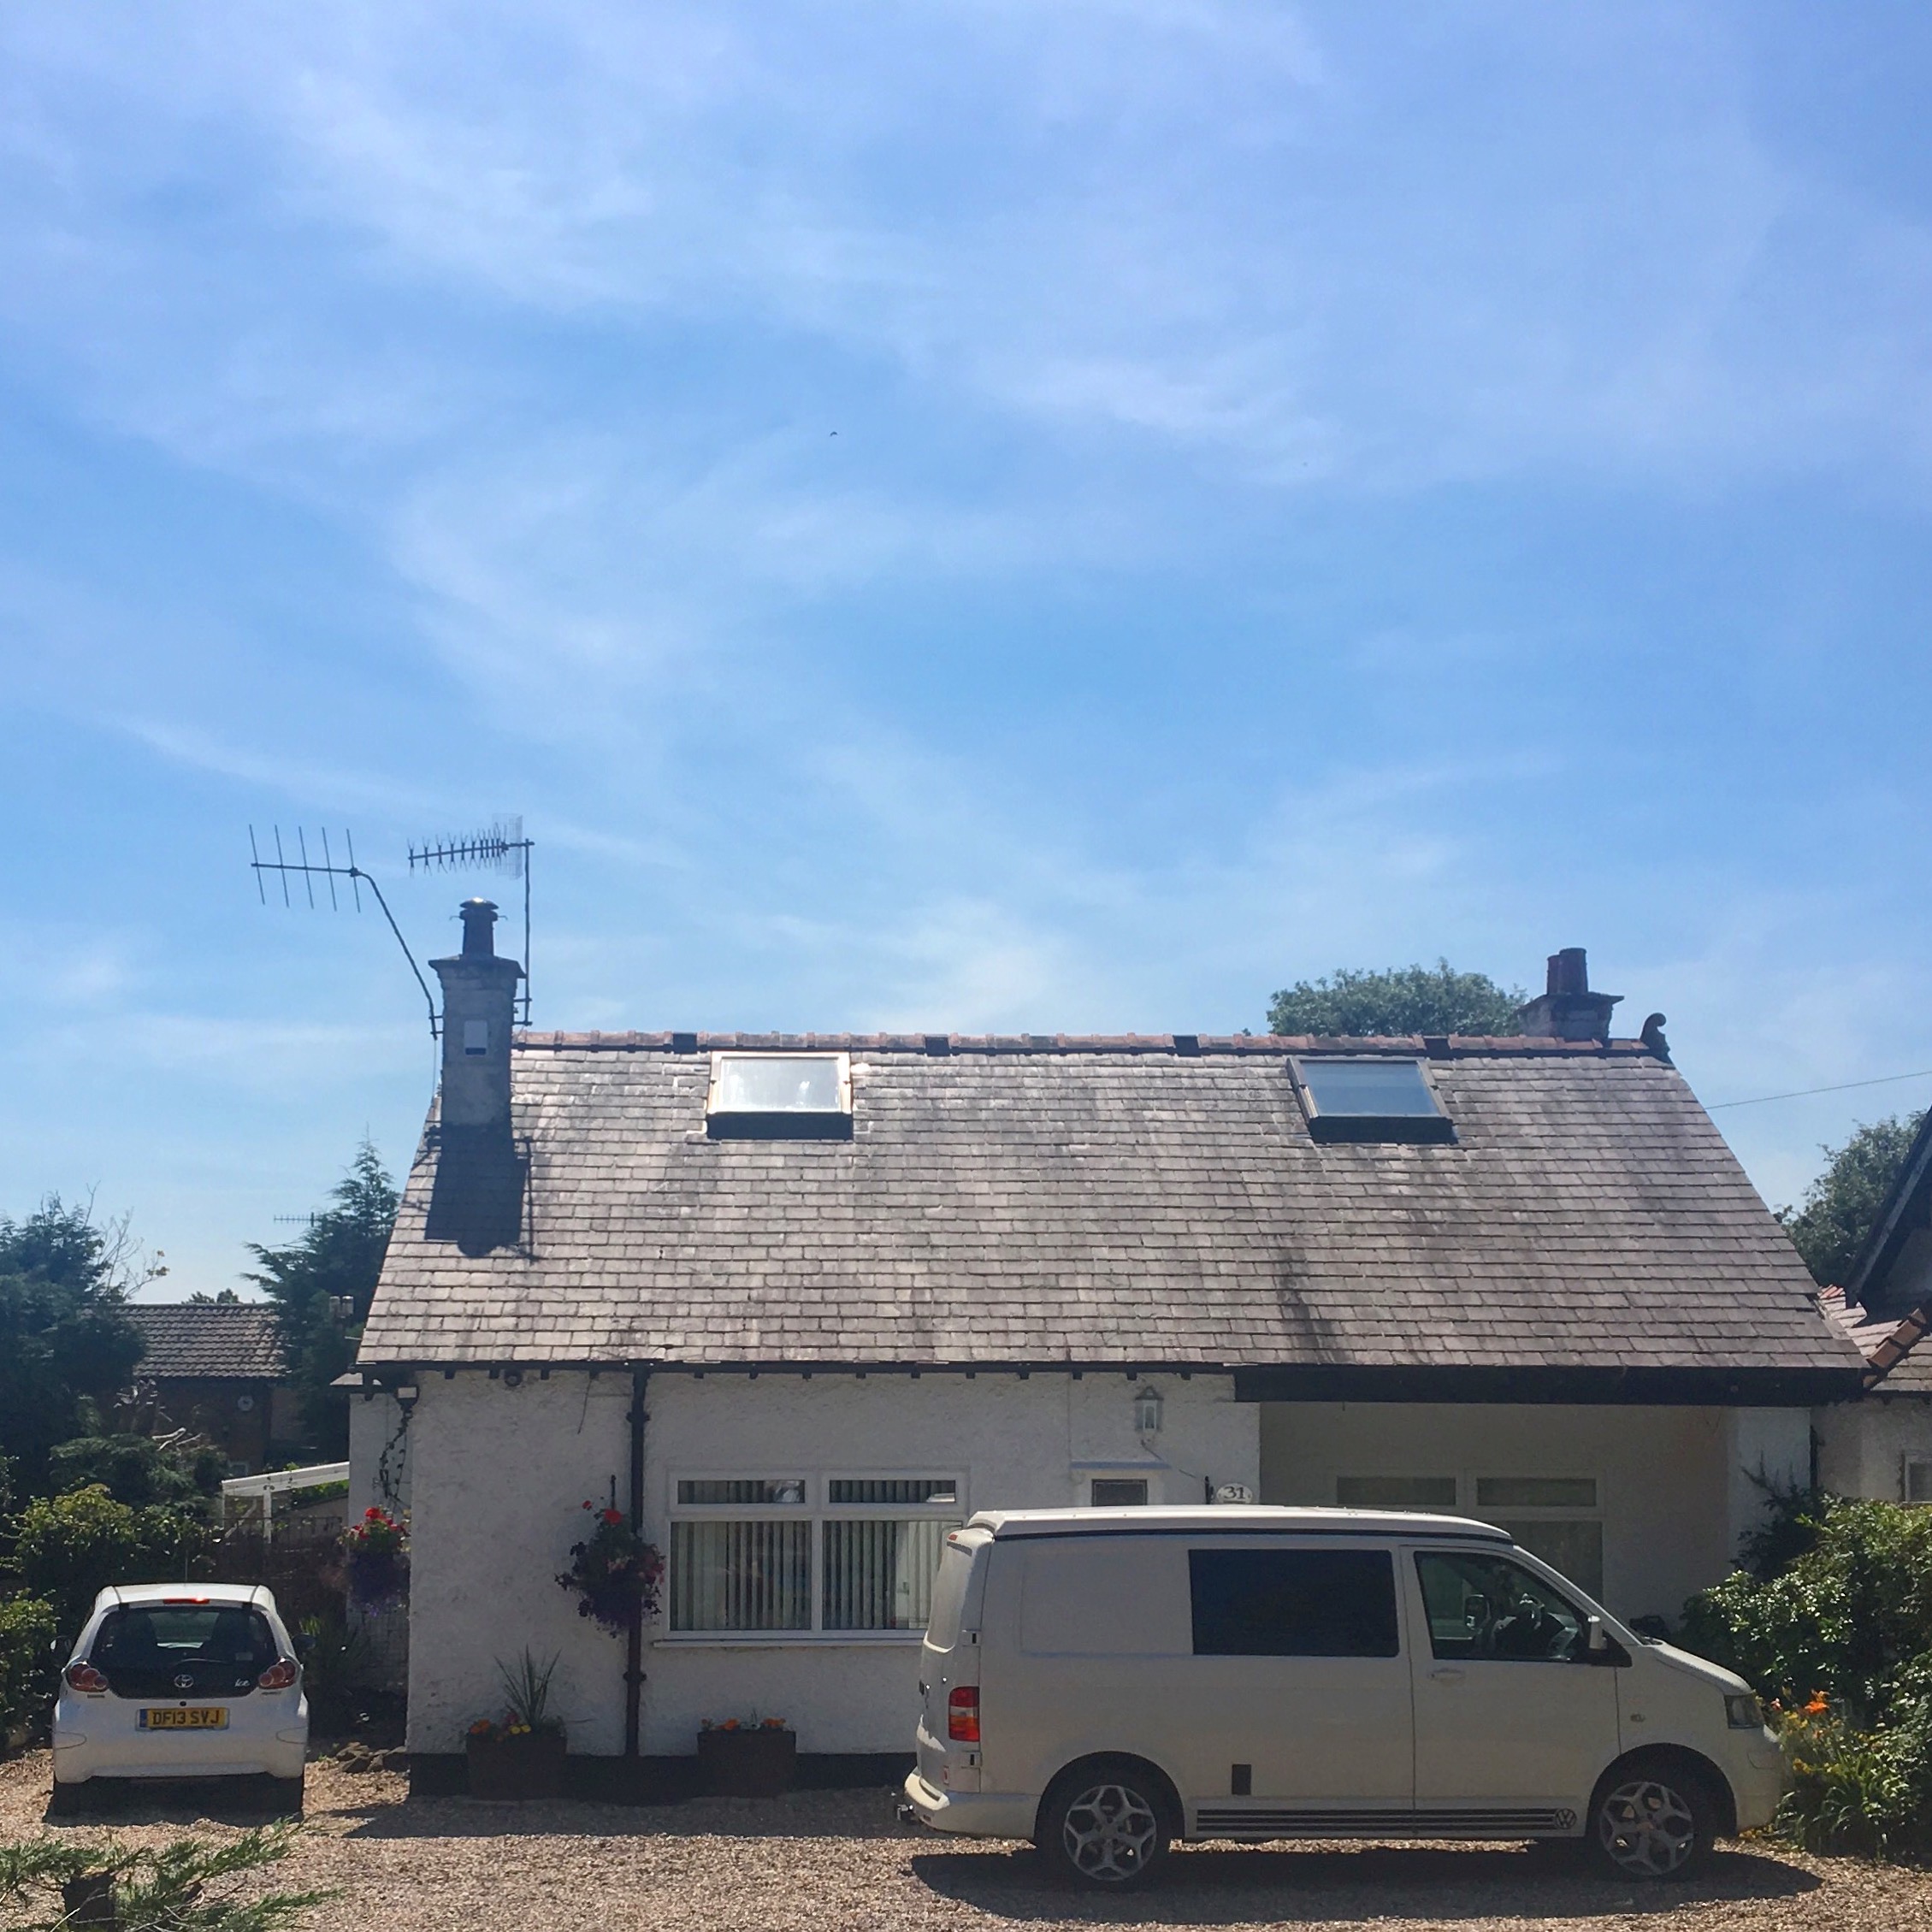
(613, 1517)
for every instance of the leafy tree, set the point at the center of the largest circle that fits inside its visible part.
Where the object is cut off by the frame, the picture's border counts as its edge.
(225, 1298)
(67, 1549)
(1829, 1225)
(139, 1470)
(65, 1336)
(340, 1254)
(1351, 1004)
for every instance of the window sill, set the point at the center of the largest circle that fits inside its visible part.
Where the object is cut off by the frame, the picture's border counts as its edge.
(788, 1640)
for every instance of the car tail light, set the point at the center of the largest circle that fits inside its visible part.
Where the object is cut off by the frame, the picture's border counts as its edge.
(962, 1714)
(82, 1676)
(279, 1675)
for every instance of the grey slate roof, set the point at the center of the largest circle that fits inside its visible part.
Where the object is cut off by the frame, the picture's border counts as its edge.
(208, 1340)
(1112, 1202)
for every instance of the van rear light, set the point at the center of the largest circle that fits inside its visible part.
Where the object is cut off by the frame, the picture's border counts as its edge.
(279, 1675)
(962, 1714)
(187, 1599)
(81, 1676)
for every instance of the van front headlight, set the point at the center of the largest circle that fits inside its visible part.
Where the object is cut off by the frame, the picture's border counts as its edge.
(1744, 1712)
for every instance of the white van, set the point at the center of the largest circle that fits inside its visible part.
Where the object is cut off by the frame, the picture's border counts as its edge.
(1104, 1682)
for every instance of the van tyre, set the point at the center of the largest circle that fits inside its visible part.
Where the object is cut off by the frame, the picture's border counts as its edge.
(65, 1800)
(1105, 1824)
(1652, 1819)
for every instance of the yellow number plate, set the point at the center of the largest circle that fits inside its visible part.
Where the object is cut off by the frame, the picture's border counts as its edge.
(205, 1718)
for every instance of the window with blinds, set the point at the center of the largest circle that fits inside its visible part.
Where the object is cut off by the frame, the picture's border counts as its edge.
(850, 1553)
(741, 1575)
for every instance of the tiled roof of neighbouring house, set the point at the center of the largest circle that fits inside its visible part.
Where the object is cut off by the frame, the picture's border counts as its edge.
(1896, 1362)
(208, 1340)
(1117, 1201)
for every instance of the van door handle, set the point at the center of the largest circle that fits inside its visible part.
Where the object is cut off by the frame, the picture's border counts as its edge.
(926, 1689)
(1451, 1676)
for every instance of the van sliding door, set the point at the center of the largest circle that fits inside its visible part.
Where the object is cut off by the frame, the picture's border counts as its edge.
(1298, 1689)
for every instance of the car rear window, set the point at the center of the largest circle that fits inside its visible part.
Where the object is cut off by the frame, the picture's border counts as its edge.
(1293, 1603)
(147, 1649)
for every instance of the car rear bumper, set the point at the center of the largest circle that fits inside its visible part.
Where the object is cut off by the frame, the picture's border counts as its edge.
(971, 1814)
(93, 1738)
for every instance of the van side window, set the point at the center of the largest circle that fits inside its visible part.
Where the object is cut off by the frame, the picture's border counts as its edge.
(1489, 1608)
(1293, 1603)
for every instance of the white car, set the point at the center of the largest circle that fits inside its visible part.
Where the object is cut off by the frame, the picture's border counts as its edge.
(182, 1680)
(1104, 1682)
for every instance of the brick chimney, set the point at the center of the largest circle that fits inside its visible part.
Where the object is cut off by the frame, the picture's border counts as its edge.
(478, 1008)
(1566, 1009)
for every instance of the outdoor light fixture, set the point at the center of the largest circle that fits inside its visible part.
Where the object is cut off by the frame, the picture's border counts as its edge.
(1147, 1411)
(514, 1378)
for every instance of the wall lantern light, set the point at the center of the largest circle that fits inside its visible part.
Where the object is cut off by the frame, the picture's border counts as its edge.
(1147, 1411)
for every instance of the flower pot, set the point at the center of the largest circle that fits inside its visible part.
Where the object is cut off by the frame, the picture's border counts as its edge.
(747, 1763)
(378, 1579)
(530, 1766)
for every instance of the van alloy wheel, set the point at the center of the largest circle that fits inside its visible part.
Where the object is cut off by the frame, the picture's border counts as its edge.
(1647, 1829)
(1110, 1833)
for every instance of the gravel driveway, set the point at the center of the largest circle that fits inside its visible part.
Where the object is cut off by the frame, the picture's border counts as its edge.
(837, 1859)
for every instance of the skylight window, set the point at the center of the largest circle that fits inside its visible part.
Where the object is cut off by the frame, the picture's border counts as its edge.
(1371, 1100)
(779, 1097)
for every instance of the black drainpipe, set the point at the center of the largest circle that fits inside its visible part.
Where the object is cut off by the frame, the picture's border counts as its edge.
(634, 1650)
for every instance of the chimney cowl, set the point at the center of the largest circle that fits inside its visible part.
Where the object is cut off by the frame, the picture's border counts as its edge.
(478, 916)
(1567, 1009)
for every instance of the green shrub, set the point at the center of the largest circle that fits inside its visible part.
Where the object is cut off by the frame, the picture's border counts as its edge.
(1837, 1631)
(69, 1548)
(335, 1670)
(27, 1662)
(1848, 1617)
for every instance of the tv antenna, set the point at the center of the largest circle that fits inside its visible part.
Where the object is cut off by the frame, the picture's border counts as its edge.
(309, 870)
(499, 847)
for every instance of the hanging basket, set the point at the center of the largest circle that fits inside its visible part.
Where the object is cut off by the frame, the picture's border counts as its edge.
(376, 1554)
(614, 1572)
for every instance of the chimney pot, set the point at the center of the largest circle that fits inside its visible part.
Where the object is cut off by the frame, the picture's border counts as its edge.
(1570, 970)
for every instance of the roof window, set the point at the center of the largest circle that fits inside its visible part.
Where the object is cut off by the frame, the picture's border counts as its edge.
(1370, 1100)
(779, 1097)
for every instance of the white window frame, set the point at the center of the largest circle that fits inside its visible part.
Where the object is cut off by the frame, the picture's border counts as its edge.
(1468, 1503)
(720, 1060)
(818, 1509)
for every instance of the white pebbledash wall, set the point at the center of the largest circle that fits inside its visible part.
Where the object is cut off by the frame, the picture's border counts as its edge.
(1677, 1484)
(1863, 1446)
(497, 1477)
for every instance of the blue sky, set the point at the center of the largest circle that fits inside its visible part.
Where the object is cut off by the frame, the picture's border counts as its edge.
(1028, 515)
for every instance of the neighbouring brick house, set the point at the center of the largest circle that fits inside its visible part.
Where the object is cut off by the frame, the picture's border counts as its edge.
(216, 1368)
(804, 1302)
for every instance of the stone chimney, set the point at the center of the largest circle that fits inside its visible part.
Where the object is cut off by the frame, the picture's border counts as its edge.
(1567, 1009)
(477, 1198)
(478, 1008)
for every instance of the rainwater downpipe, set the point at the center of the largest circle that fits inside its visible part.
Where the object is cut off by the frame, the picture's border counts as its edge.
(634, 1647)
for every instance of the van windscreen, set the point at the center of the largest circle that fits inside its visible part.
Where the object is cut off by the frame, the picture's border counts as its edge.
(1293, 1603)
(948, 1596)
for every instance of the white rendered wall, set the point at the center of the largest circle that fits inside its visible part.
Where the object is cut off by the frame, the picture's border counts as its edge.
(1665, 1474)
(1863, 1446)
(1766, 1449)
(498, 1476)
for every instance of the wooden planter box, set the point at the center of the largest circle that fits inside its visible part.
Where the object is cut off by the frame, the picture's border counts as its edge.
(747, 1763)
(523, 1767)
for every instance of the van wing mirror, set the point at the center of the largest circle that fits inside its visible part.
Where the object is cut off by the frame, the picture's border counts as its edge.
(1597, 1639)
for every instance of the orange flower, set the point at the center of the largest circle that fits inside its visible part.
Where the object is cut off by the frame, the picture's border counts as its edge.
(1817, 1707)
